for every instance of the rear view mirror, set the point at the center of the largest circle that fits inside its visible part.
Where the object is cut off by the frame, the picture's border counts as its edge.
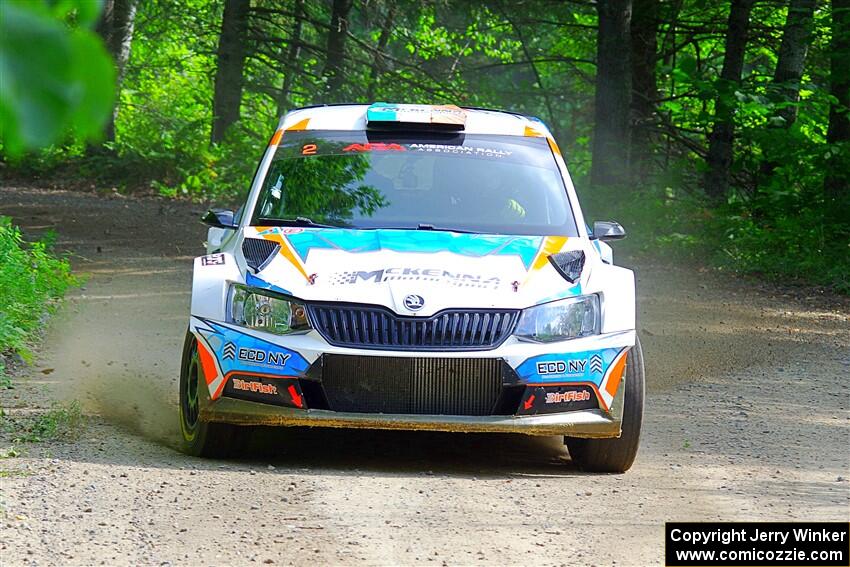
(608, 230)
(219, 218)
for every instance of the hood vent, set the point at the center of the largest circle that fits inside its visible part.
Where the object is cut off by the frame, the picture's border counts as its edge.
(569, 264)
(259, 252)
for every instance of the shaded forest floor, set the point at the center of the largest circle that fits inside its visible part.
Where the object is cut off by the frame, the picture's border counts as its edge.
(747, 419)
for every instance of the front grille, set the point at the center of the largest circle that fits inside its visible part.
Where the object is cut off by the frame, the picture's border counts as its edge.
(433, 386)
(372, 326)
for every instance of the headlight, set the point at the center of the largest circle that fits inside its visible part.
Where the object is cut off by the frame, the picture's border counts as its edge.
(560, 320)
(252, 309)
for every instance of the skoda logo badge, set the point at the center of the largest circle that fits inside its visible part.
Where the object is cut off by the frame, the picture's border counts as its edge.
(414, 302)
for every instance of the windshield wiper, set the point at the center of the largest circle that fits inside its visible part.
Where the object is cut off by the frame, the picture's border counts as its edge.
(297, 221)
(425, 226)
(305, 221)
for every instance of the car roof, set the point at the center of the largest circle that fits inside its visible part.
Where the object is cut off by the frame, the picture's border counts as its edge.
(353, 117)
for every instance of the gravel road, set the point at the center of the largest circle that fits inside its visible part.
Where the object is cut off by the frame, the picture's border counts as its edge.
(747, 419)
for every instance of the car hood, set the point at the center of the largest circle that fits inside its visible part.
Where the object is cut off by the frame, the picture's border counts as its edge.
(444, 269)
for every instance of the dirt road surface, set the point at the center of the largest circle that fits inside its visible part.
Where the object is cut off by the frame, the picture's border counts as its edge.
(747, 419)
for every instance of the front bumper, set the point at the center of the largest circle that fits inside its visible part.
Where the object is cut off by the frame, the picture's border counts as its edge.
(585, 423)
(281, 374)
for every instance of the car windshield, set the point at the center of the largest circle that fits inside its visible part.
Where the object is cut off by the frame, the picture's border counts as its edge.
(473, 183)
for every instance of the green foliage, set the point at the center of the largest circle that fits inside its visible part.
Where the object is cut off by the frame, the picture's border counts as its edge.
(57, 76)
(785, 231)
(33, 280)
(13, 473)
(530, 56)
(9, 453)
(796, 248)
(5, 381)
(62, 421)
(659, 220)
(788, 229)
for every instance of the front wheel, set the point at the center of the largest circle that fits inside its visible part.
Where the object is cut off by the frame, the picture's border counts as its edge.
(616, 455)
(200, 438)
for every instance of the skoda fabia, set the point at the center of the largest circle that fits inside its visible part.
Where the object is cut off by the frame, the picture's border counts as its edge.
(413, 267)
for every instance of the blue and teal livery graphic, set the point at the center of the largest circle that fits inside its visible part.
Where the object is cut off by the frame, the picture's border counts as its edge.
(254, 281)
(586, 366)
(360, 241)
(237, 351)
(382, 112)
(445, 116)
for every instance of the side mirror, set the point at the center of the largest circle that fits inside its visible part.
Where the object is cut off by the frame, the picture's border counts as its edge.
(219, 218)
(607, 230)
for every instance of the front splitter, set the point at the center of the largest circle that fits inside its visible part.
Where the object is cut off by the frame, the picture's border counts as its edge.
(585, 423)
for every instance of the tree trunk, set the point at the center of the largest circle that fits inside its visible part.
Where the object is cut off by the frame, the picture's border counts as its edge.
(799, 25)
(293, 53)
(227, 96)
(644, 31)
(790, 62)
(722, 138)
(335, 55)
(837, 183)
(115, 26)
(538, 78)
(383, 40)
(613, 94)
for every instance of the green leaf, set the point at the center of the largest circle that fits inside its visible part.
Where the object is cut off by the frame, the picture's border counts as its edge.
(34, 57)
(93, 75)
(84, 12)
(54, 78)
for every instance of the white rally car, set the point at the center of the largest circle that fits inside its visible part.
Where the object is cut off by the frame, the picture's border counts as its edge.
(413, 267)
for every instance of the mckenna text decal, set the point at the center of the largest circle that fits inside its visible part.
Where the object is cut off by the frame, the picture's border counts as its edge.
(456, 279)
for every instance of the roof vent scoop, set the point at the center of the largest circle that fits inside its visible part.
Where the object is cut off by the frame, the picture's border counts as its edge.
(569, 264)
(259, 252)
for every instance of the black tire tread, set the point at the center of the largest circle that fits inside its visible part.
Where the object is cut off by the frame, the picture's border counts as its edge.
(616, 455)
(212, 440)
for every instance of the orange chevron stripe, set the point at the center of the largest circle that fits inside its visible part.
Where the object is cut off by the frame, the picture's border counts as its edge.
(616, 375)
(287, 252)
(300, 125)
(551, 244)
(207, 363)
(276, 138)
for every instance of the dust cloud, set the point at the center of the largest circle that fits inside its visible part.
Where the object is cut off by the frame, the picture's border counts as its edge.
(116, 346)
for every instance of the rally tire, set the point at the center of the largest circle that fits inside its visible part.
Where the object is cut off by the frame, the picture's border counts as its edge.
(200, 438)
(617, 455)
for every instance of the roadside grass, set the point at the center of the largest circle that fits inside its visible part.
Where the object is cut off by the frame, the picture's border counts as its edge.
(61, 422)
(5, 381)
(9, 452)
(33, 280)
(13, 473)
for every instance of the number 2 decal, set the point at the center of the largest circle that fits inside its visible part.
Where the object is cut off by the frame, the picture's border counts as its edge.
(308, 149)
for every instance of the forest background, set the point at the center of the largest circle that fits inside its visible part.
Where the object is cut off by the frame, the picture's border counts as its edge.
(715, 130)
